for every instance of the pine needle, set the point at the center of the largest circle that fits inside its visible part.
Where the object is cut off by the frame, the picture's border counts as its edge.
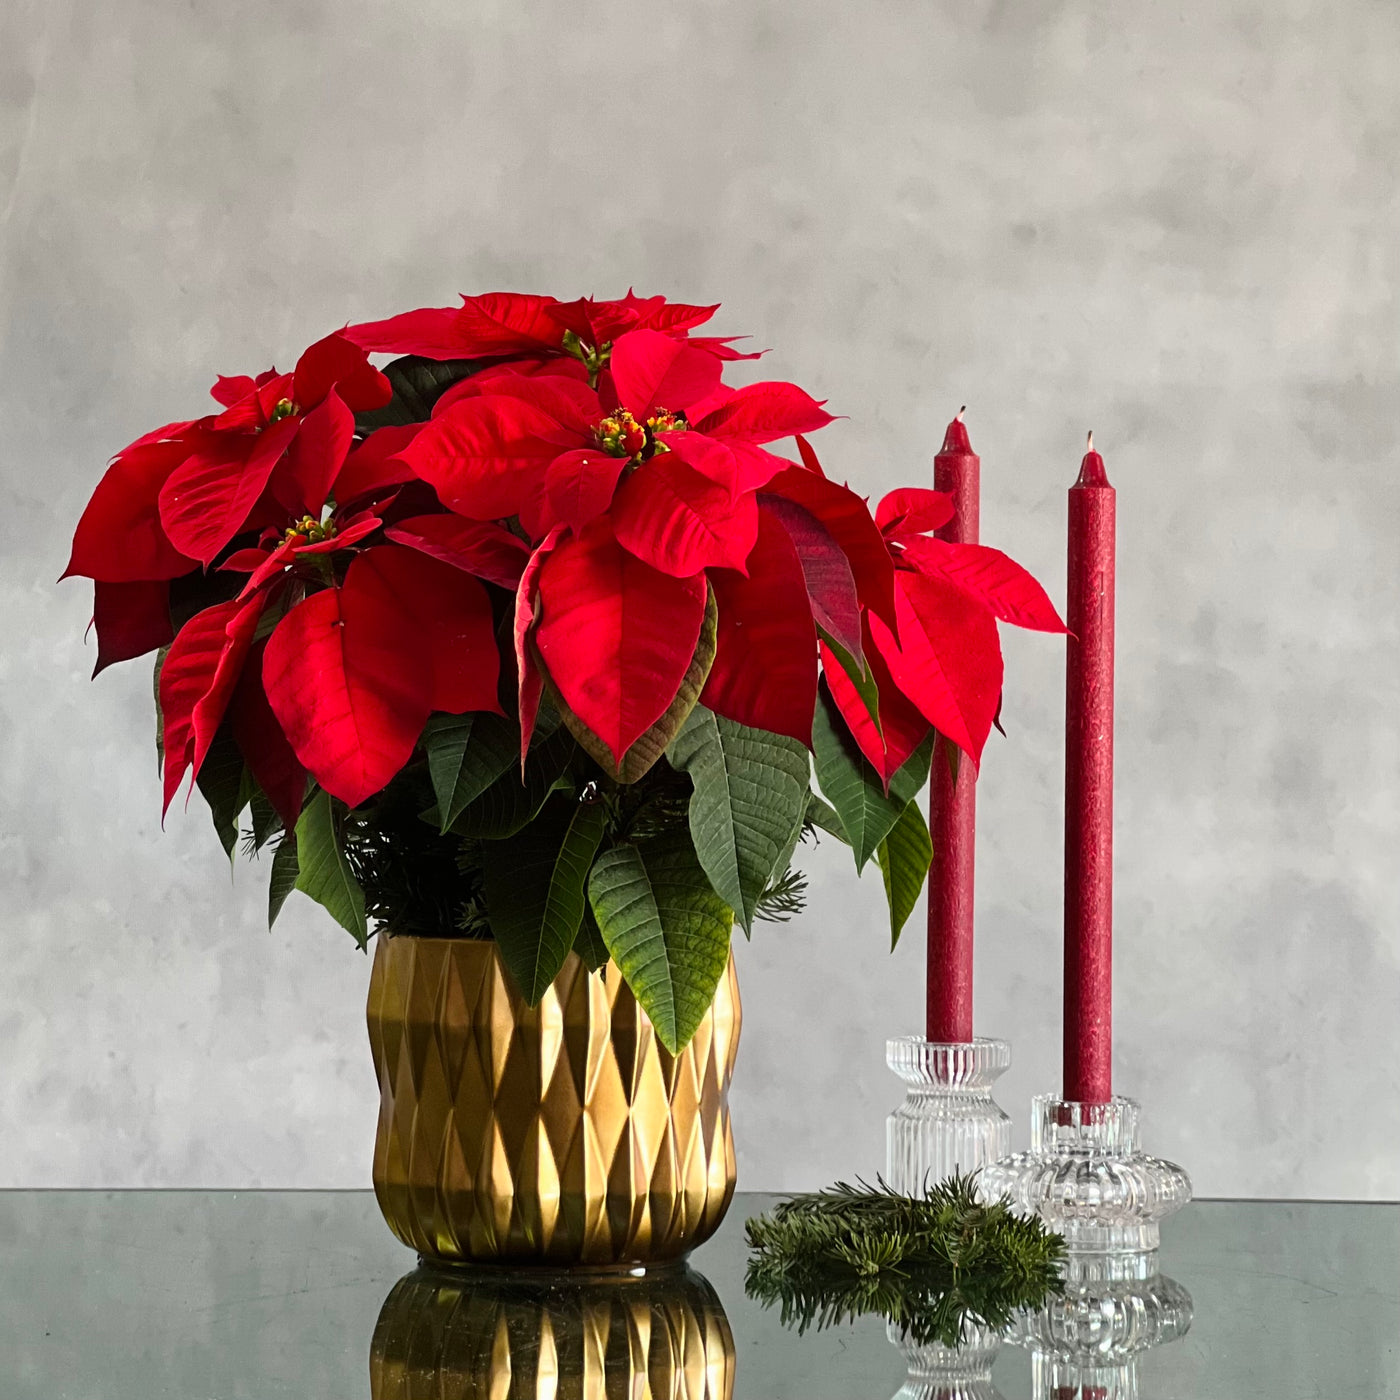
(931, 1266)
(784, 898)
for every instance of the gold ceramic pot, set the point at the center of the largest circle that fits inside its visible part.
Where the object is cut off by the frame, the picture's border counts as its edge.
(444, 1337)
(563, 1134)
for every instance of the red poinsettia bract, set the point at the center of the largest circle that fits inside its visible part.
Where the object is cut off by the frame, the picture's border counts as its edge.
(521, 325)
(334, 648)
(940, 664)
(587, 504)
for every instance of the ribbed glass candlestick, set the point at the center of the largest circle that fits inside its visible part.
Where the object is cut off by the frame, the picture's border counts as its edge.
(948, 1123)
(1087, 1179)
(937, 1372)
(1086, 1341)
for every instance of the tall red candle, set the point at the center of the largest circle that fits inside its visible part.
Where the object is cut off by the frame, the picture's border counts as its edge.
(957, 470)
(1089, 787)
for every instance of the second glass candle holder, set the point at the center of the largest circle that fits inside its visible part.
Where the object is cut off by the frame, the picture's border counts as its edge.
(948, 1123)
(1087, 1177)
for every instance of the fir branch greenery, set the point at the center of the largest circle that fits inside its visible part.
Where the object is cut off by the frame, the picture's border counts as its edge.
(410, 874)
(930, 1265)
(784, 897)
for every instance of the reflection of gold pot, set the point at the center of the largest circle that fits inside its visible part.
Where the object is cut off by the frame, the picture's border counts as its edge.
(560, 1134)
(465, 1336)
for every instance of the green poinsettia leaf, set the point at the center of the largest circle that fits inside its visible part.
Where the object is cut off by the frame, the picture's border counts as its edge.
(510, 802)
(852, 785)
(783, 875)
(824, 817)
(284, 875)
(588, 943)
(418, 385)
(466, 754)
(266, 822)
(749, 797)
(909, 779)
(226, 785)
(323, 871)
(904, 856)
(665, 928)
(535, 884)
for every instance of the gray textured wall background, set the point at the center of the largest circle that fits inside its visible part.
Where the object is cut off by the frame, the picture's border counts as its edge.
(1175, 224)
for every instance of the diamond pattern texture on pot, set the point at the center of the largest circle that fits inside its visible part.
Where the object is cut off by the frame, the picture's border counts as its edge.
(559, 1134)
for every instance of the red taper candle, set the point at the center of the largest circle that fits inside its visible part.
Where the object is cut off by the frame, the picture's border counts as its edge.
(1089, 787)
(957, 470)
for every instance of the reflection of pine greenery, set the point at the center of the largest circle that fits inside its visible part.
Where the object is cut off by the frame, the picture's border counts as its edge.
(930, 1266)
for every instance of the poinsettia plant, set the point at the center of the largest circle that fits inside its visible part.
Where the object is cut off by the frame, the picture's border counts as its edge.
(535, 634)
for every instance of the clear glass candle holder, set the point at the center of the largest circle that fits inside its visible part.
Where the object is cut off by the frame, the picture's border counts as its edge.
(936, 1372)
(1087, 1178)
(1086, 1341)
(948, 1123)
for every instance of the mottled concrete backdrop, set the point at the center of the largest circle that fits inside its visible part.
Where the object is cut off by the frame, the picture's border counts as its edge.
(1174, 224)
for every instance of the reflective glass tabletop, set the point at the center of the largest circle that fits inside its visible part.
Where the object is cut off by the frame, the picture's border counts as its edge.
(224, 1295)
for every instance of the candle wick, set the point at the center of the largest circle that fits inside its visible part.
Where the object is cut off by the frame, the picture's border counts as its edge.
(1091, 439)
(957, 417)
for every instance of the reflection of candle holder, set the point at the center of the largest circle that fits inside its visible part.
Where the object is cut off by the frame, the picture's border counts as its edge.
(948, 1123)
(1087, 1179)
(937, 1372)
(481, 1335)
(1086, 1341)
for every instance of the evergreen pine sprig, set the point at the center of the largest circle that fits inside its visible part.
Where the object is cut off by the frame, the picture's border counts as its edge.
(929, 1265)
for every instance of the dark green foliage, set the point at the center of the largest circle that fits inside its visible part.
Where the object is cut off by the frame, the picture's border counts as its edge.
(535, 884)
(193, 592)
(285, 870)
(508, 804)
(409, 872)
(905, 856)
(929, 1266)
(323, 868)
(226, 786)
(866, 811)
(748, 805)
(266, 822)
(784, 898)
(466, 754)
(589, 943)
(419, 880)
(822, 816)
(418, 385)
(647, 874)
(665, 928)
(659, 804)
